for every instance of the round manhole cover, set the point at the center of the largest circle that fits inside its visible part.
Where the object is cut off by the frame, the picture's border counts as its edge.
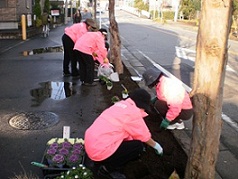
(33, 120)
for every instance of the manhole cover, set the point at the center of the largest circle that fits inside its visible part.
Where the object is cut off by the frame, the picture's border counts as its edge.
(33, 120)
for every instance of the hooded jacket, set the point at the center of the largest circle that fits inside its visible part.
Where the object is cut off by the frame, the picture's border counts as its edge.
(174, 94)
(122, 121)
(92, 42)
(76, 30)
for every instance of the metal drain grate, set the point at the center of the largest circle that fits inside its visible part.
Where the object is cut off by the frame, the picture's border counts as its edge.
(33, 120)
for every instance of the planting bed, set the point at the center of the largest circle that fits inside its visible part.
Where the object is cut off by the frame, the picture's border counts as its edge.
(151, 166)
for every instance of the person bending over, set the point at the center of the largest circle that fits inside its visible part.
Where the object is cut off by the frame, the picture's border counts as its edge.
(118, 135)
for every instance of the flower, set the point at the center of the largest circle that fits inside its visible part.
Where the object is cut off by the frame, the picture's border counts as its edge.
(54, 145)
(50, 153)
(66, 145)
(77, 172)
(64, 151)
(73, 160)
(58, 159)
(77, 151)
(78, 146)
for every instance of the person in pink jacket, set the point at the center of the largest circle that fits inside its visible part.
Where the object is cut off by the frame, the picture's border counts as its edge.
(71, 34)
(88, 48)
(118, 135)
(172, 100)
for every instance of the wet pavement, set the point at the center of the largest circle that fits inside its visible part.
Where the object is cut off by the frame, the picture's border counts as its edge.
(37, 102)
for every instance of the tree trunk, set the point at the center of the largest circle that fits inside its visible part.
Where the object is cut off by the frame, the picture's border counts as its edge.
(207, 93)
(208, 85)
(115, 42)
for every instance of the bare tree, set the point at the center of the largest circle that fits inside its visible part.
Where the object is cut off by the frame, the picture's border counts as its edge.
(115, 42)
(207, 93)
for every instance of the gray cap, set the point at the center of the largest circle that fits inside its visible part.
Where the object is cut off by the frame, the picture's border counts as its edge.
(91, 22)
(150, 76)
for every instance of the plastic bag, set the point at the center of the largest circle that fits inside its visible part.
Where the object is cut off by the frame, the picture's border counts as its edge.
(107, 71)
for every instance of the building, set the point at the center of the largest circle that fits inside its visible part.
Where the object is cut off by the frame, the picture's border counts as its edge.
(12, 10)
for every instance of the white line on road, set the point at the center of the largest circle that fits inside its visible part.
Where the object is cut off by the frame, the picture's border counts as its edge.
(185, 53)
(13, 46)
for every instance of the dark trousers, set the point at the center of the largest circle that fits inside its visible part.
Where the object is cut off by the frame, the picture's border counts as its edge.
(69, 57)
(86, 66)
(162, 108)
(127, 151)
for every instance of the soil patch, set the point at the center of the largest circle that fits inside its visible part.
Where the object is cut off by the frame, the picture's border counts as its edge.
(150, 165)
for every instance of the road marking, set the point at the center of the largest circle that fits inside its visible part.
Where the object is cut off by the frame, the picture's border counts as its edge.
(230, 122)
(189, 54)
(165, 71)
(9, 48)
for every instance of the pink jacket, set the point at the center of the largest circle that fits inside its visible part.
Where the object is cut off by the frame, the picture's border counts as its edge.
(76, 30)
(92, 42)
(175, 95)
(122, 121)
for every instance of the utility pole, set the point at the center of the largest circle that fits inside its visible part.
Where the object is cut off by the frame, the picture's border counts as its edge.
(176, 6)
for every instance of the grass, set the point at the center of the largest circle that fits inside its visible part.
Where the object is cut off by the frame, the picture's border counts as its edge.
(24, 175)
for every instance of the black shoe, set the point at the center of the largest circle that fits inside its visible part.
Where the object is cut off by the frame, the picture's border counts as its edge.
(67, 74)
(75, 75)
(89, 84)
(102, 172)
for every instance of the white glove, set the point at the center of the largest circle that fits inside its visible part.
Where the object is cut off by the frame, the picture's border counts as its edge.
(158, 148)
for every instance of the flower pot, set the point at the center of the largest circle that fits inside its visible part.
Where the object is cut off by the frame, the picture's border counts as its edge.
(124, 95)
(109, 87)
(60, 165)
(50, 162)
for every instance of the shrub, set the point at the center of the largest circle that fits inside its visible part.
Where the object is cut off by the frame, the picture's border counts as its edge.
(38, 22)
